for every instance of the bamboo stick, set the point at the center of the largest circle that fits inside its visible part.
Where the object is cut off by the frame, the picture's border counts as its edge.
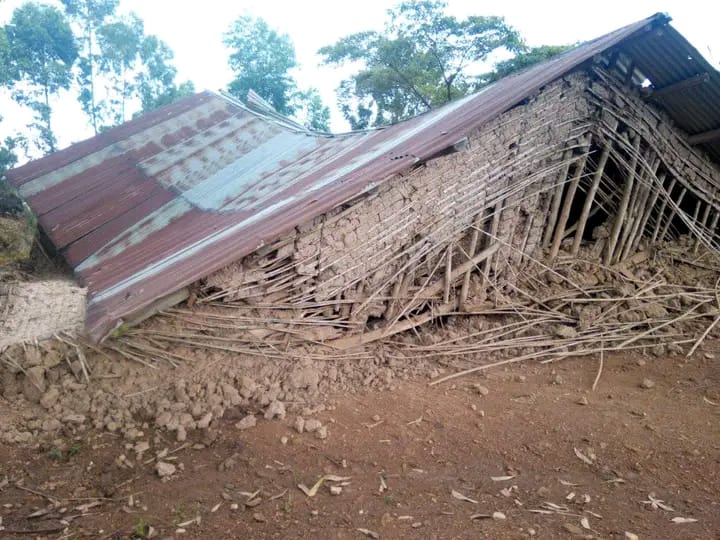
(620, 216)
(590, 198)
(675, 208)
(565, 212)
(471, 253)
(448, 274)
(661, 211)
(557, 198)
(648, 211)
(706, 216)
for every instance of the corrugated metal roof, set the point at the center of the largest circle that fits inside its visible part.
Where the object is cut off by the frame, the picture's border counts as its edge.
(164, 200)
(667, 58)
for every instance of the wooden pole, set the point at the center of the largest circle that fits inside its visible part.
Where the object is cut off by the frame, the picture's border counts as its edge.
(705, 217)
(557, 198)
(648, 211)
(661, 211)
(471, 253)
(597, 177)
(620, 217)
(448, 273)
(639, 211)
(565, 212)
(672, 213)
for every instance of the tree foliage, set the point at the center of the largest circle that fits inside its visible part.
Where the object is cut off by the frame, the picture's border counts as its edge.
(89, 17)
(261, 59)
(42, 52)
(421, 59)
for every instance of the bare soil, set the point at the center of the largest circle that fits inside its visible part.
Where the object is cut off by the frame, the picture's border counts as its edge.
(567, 457)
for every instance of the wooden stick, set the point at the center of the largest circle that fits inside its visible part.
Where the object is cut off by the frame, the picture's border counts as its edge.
(471, 253)
(557, 198)
(448, 273)
(661, 211)
(705, 217)
(565, 212)
(589, 199)
(673, 211)
(620, 216)
(411, 322)
(648, 212)
(600, 366)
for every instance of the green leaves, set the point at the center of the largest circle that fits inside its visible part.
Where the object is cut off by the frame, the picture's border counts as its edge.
(261, 59)
(40, 52)
(422, 59)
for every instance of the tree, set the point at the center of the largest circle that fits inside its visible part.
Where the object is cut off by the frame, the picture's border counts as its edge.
(261, 59)
(156, 79)
(90, 16)
(42, 50)
(522, 61)
(310, 111)
(423, 58)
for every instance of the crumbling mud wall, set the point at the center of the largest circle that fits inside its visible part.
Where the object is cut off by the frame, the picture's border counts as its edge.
(386, 254)
(586, 163)
(36, 310)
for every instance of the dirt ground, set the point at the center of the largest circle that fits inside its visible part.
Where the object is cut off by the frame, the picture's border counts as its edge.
(531, 449)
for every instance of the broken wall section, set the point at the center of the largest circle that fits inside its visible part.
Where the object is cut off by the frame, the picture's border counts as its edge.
(384, 256)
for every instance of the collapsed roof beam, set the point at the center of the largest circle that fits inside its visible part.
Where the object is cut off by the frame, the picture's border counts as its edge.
(706, 136)
(685, 84)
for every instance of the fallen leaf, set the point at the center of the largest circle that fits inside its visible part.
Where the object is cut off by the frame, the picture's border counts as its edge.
(481, 516)
(582, 456)
(498, 515)
(706, 400)
(311, 492)
(461, 497)
(566, 483)
(502, 478)
(215, 508)
(585, 522)
(680, 520)
(369, 533)
(656, 503)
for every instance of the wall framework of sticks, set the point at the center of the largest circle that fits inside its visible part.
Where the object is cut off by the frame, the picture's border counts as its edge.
(542, 214)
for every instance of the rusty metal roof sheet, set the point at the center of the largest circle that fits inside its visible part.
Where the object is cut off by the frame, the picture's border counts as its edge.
(155, 204)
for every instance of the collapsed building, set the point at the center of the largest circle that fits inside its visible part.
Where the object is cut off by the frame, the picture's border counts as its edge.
(548, 198)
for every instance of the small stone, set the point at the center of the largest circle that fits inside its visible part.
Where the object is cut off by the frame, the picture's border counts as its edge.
(520, 378)
(647, 384)
(275, 409)
(498, 515)
(480, 389)
(228, 463)
(257, 516)
(34, 384)
(543, 491)
(376, 418)
(299, 424)
(335, 490)
(181, 434)
(321, 432)
(532, 532)
(566, 332)
(204, 422)
(573, 529)
(582, 401)
(247, 422)
(283, 440)
(234, 506)
(417, 525)
(709, 356)
(557, 379)
(312, 424)
(641, 361)
(74, 419)
(50, 398)
(164, 469)
(141, 447)
(631, 536)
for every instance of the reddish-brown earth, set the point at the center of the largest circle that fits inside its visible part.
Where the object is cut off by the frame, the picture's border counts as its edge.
(537, 423)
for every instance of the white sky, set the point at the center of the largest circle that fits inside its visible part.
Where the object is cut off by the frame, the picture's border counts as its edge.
(194, 29)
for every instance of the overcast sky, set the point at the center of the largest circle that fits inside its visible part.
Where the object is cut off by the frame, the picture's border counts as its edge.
(194, 29)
